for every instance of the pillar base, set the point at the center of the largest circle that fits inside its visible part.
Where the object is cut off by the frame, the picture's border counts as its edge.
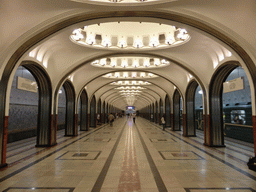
(46, 145)
(217, 145)
(70, 135)
(3, 165)
(252, 163)
(189, 135)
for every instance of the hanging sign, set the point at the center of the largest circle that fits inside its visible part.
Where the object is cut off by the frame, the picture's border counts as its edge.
(233, 85)
(26, 84)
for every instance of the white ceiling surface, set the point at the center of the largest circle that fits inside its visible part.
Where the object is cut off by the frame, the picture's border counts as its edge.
(21, 20)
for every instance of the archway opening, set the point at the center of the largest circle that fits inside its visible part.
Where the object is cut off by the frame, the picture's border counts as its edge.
(84, 112)
(61, 117)
(152, 112)
(237, 108)
(190, 129)
(99, 114)
(167, 112)
(70, 128)
(156, 113)
(199, 121)
(93, 112)
(161, 109)
(216, 133)
(36, 107)
(177, 114)
(23, 103)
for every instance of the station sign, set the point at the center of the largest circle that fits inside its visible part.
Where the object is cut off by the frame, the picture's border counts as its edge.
(233, 85)
(26, 84)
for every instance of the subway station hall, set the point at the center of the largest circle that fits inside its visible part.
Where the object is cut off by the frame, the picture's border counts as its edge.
(127, 96)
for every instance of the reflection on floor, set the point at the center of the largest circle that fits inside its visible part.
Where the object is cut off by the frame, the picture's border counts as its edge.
(128, 157)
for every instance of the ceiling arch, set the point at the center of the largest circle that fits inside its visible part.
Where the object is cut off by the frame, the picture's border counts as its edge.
(49, 30)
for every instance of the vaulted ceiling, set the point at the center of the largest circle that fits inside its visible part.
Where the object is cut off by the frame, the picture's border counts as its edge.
(128, 52)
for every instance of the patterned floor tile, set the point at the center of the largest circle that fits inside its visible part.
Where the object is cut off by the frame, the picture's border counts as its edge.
(79, 155)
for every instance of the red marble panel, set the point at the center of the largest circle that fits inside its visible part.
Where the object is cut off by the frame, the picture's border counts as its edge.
(254, 132)
(88, 120)
(209, 130)
(205, 128)
(51, 132)
(172, 123)
(76, 125)
(56, 128)
(184, 121)
(5, 131)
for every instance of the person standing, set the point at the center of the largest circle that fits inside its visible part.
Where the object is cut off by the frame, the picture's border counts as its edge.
(98, 119)
(133, 116)
(163, 122)
(111, 119)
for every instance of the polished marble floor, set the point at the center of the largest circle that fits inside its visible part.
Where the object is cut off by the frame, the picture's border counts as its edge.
(128, 157)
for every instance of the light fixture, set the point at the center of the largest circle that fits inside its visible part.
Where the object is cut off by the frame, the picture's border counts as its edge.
(146, 64)
(169, 40)
(134, 75)
(117, 75)
(124, 63)
(77, 35)
(113, 63)
(138, 42)
(90, 39)
(153, 41)
(122, 42)
(135, 63)
(103, 62)
(106, 41)
(164, 62)
(157, 62)
(182, 34)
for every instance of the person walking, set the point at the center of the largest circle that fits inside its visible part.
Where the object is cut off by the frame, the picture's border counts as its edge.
(111, 119)
(133, 116)
(98, 119)
(163, 122)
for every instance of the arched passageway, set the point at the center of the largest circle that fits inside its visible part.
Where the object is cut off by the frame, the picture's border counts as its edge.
(99, 111)
(70, 125)
(23, 103)
(84, 112)
(237, 108)
(45, 135)
(199, 117)
(176, 111)
(93, 112)
(190, 130)
(61, 117)
(152, 116)
(103, 119)
(156, 113)
(161, 109)
(216, 133)
(167, 112)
